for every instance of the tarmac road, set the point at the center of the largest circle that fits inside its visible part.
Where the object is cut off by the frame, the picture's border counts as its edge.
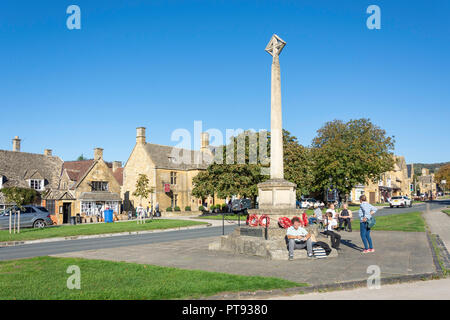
(43, 249)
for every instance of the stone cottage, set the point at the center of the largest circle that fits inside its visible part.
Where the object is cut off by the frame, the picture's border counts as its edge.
(170, 177)
(40, 172)
(87, 188)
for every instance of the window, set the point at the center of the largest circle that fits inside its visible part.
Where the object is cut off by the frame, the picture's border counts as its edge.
(99, 186)
(36, 184)
(50, 205)
(173, 177)
(174, 201)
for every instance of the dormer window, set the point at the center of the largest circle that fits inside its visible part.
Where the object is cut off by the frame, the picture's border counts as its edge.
(36, 184)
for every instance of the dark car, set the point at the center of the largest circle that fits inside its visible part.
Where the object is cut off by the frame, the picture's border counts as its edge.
(30, 217)
(241, 205)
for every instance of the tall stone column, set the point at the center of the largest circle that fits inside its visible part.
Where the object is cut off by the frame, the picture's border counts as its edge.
(276, 195)
(276, 126)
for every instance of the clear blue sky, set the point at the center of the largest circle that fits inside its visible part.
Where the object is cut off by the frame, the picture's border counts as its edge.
(164, 64)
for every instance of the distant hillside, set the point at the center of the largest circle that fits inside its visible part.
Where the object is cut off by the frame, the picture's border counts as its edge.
(432, 166)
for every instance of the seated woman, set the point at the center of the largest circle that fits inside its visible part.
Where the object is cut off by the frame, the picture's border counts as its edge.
(345, 217)
(331, 224)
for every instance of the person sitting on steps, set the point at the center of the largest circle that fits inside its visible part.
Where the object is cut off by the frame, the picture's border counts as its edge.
(345, 217)
(331, 224)
(298, 238)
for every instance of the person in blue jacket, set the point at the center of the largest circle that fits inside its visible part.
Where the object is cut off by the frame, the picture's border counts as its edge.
(366, 210)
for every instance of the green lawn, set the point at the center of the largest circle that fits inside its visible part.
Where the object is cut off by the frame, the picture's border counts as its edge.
(447, 211)
(90, 229)
(46, 278)
(408, 222)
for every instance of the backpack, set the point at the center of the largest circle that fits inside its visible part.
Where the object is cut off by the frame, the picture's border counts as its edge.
(322, 245)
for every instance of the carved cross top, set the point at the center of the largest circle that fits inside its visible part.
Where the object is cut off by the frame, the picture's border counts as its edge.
(275, 45)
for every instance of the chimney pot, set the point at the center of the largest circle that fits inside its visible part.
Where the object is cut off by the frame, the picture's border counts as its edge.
(116, 165)
(204, 141)
(140, 135)
(98, 153)
(16, 144)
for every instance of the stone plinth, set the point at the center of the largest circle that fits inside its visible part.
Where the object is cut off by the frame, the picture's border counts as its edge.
(276, 194)
(251, 241)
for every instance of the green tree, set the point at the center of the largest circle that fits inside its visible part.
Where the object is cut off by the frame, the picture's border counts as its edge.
(443, 174)
(19, 197)
(351, 153)
(143, 189)
(81, 158)
(240, 176)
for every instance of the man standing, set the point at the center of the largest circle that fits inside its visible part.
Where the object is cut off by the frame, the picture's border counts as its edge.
(366, 210)
(298, 238)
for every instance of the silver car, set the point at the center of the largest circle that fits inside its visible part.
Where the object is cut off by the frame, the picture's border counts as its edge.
(30, 217)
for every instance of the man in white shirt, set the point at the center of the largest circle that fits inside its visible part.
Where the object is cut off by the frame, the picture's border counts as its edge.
(331, 225)
(298, 238)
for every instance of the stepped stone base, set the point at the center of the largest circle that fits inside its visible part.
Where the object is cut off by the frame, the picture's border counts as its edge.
(251, 241)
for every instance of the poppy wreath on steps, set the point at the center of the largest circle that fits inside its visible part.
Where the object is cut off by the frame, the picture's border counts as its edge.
(264, 220)
(253, 220)
(284, 222)
(305, 219)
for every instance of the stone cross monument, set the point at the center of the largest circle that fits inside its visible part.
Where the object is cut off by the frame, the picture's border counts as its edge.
(276, 194)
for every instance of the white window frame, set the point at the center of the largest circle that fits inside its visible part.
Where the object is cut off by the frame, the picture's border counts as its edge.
(39, 182)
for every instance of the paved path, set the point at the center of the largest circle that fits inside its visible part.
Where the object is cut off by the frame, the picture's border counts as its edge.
(398, 253)
(439, 223)
(423, 290)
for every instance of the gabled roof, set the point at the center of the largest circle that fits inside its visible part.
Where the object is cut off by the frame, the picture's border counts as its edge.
(18, 167)
(162, 157)
(77, 170)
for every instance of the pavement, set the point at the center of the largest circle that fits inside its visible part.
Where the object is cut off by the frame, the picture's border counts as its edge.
(422, 290)
(397, 254)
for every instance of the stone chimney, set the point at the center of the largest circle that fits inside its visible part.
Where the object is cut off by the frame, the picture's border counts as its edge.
(48, 152)
(204, 141)
(98, 154)
(16, 144)
(140, 135)
(116, 165)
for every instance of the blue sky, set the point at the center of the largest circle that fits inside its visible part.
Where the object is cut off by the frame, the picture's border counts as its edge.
(165, 64)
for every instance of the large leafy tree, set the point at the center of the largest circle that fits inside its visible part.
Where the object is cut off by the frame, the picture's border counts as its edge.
(443, 174)
(239, 175)
(349, 153)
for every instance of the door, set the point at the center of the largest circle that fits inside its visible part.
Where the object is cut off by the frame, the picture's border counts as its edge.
(372, 197)
(66, 212)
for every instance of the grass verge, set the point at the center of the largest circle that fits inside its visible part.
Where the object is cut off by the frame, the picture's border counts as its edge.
(407, 222)
(447, 212)
(46, 278)
(91, 229)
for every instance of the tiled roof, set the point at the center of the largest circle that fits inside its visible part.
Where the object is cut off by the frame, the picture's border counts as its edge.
(17, 167)
(119, 175)
(164, 156)
(77, 169)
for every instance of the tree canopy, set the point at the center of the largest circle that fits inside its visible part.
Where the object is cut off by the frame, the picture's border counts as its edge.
(443, 174)
(349, 153)
(143, 188)
(20, 196)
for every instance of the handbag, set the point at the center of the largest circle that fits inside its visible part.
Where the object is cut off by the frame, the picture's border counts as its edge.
(371, 222)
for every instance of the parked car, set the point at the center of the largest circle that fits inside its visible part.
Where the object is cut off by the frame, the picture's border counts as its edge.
(308, 203)
(30, 217)
(241, 205)
(400, 201)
